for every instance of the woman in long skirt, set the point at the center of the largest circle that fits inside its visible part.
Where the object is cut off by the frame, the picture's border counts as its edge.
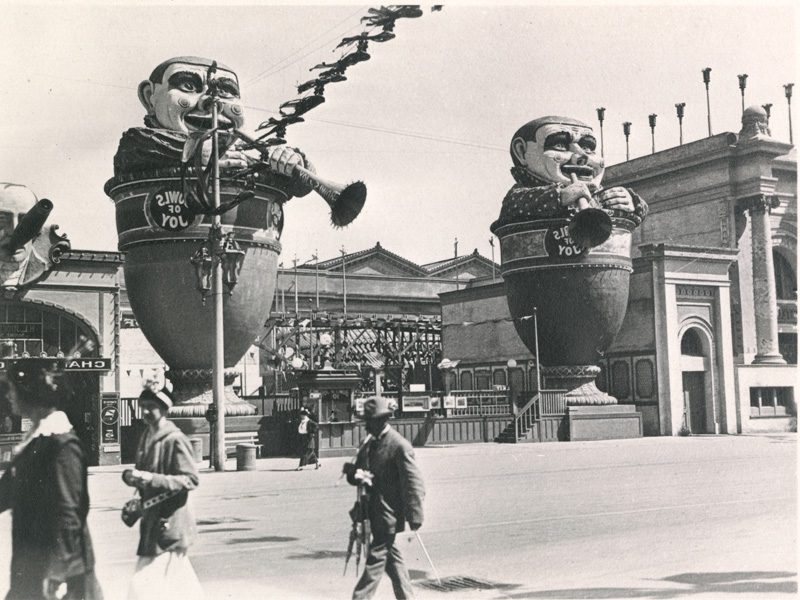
(307, 436)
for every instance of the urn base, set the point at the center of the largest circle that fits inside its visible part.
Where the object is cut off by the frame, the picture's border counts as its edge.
(579, 383)
(192, 390)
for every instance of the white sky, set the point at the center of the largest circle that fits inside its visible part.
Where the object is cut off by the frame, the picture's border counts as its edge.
(425, 123)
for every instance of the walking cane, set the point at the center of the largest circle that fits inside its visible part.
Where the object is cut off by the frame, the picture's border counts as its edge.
(428, 556)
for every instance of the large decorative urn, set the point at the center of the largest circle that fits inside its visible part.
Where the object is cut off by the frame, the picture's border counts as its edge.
(577, 295)
(160, 235)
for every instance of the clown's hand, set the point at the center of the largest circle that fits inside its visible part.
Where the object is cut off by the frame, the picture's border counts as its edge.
(234, 159)
(570, 194)
(283, 160)
(616, 198)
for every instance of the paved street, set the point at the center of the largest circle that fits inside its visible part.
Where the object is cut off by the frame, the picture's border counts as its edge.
(698, 517)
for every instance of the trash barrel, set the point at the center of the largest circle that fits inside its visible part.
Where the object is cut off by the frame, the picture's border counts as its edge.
(245, 457)
(197, 448)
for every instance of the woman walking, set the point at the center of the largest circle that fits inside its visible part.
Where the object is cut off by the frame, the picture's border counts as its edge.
(45, 488)
(307, 436)
(165, 472)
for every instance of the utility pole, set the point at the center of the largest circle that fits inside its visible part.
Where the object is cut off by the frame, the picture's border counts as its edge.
(316, 276)
(296, 300)
(491, 243)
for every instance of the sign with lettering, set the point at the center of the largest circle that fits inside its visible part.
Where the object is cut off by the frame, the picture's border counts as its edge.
(415, 403)
(109, 419)
(20, 331)
(559, 244)
(69, 364)
(167, 209)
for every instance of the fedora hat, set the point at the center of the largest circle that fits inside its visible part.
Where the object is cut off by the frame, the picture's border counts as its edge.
(378, 406)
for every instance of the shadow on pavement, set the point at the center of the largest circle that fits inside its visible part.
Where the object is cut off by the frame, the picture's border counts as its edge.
(745, 582)
(226, 529)
(318, 555)
(265, 538)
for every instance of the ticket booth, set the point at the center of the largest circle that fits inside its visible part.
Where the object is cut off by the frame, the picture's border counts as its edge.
(329, 396)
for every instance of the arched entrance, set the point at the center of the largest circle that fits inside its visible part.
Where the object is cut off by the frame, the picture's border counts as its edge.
(30, 329)
(698, 391)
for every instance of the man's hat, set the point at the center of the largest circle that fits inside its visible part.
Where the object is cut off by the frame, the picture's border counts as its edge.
(304, 411)
(378, 406)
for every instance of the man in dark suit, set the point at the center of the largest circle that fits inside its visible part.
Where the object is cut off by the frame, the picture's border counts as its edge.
(385, 465)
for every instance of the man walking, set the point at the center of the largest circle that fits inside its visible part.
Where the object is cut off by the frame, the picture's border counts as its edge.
(385, 466)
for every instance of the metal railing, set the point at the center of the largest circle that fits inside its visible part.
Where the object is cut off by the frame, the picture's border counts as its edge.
(552, 403)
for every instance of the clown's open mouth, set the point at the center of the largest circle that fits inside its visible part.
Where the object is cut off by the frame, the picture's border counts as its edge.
(203, 122)
(581, 171)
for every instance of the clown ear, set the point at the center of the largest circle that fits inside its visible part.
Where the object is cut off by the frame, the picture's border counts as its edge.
(146, 96)
(518, 148)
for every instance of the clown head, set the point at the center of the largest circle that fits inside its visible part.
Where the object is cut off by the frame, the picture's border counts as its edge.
(177, 92)
(553, 148)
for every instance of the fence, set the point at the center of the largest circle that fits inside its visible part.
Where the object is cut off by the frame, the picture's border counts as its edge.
(552, 403)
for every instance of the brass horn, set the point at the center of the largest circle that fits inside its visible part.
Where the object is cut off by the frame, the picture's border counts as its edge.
(589, 227)
(346, 201)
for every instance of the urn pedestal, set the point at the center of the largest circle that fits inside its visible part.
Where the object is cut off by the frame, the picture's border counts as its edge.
(579, 297)
(159, 235)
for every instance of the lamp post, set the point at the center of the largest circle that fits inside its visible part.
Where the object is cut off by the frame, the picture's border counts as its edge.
(787, 88)
(707, 80)
(601, 114)
(652, 119)
(767, 109)
(679, 107)
(217, 262)
(742, 86)
(626, 129)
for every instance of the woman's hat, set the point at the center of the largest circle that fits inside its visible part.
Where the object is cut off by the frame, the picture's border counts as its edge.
(304, 411)
(152, 392)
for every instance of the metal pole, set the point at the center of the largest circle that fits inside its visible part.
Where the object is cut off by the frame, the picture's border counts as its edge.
(296, 306)
(491, 243)
(218, 367)
(536, 338)
(787, 88)
(601, 113)
(707, 80)
(316, 275)
(680, 107)
(344, 283)
(626, 129)
(742, 86)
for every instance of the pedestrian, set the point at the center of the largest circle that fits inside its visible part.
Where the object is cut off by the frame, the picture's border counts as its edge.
(164, 470)
(46, 489)
(385, 466)
(307, 440)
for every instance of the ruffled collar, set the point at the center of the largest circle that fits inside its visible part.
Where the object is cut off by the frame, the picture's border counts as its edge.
(524, 177)
(56, 423)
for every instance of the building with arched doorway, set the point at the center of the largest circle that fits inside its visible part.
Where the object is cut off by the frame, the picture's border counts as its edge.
(709, 341)
(72, 312)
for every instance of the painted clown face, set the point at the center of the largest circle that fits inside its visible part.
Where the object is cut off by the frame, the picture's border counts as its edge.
(559, 150)
(179, 101)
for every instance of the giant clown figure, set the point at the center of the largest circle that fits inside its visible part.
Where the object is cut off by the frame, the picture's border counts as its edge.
(566, 275)
(165, 233)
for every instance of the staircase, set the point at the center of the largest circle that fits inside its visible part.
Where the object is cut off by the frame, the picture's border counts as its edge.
(542, 419)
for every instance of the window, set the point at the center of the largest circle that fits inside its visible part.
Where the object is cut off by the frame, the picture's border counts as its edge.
(785, 280)
(771, 402)
(482, 380)
(691, 345)
(621, 380)
(644, 378)
(466, 380)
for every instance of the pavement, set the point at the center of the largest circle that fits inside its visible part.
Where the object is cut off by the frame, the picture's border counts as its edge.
(670, 517)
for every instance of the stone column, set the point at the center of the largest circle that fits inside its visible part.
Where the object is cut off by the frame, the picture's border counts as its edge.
(764, 296)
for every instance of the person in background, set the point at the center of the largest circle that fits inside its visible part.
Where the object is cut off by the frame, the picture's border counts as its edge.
(386, 466)
(307, 440)
(164, 468)
(46, 489)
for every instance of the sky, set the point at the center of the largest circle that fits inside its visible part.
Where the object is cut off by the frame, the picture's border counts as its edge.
(425, 123)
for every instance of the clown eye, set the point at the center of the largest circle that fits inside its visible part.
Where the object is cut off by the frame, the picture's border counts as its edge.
(588, 142)
(558, 141)
(227, 88)
(186, 82)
